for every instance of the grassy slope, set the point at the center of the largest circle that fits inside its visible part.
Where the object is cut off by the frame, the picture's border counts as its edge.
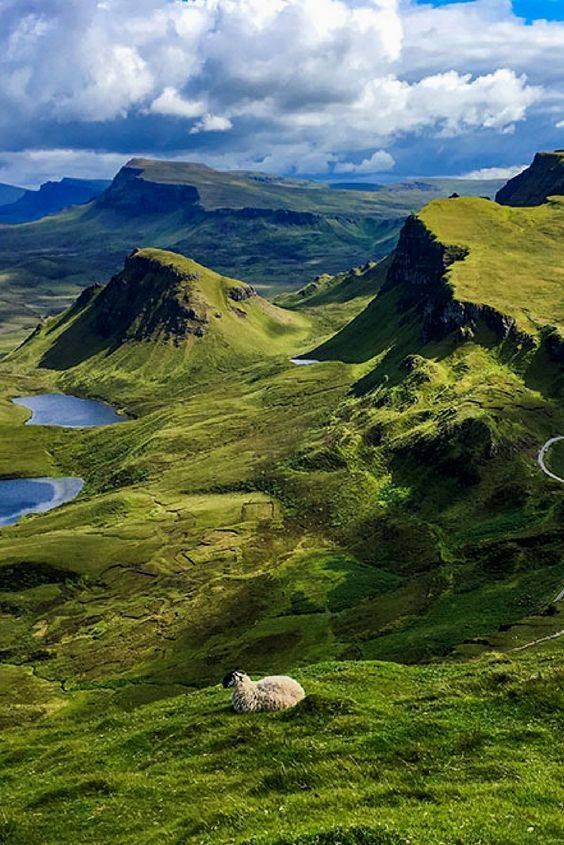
(270, 519)
(333, 301)
(378, 754)
(237, 334)
(328, 525)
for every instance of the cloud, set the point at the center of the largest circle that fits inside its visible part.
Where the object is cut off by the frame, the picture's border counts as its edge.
(303, 86)
(495, 172)
(560, 124)
(170, 102)
(212, 123)
(378, 161)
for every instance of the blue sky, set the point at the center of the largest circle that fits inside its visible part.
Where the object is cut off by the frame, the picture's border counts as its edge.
(336, 89)
(552, 10)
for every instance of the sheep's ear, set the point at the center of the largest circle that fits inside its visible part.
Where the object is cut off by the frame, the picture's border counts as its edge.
(228, 680)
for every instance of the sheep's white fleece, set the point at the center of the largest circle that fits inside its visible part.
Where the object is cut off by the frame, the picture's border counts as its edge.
(275, 692)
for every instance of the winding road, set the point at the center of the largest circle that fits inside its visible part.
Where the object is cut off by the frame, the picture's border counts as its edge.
(542, 455)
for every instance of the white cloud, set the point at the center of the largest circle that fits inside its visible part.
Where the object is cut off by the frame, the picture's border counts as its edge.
(212, 123)
(378, 161)
(495, 172)
(170, 102)
(297, 85)
(560, 124)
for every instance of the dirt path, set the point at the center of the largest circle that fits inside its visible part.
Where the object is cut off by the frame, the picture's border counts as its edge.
(542, 455)
(537, 642)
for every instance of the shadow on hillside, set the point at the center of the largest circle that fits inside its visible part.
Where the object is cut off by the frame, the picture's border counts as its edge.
(76, 344)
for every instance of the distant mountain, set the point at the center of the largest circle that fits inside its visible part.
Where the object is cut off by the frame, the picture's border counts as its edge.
(51, 198)
(9, 193)
(272, 232)
(544, 178)
(433, 186)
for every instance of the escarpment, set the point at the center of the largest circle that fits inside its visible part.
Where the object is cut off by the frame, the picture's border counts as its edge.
(543, 179)
(420, 269)
(149, 298)
(130, 192)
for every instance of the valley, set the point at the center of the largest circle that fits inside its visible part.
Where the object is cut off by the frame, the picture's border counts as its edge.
(344, 483)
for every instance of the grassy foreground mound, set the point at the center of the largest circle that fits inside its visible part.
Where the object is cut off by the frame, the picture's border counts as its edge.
(377, 754)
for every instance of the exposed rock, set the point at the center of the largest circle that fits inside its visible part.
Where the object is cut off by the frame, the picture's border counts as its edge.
(149, 299)
(241, 293)
(554, 344)
(544, 178)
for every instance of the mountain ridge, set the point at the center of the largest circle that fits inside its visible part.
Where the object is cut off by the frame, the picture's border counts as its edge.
(51, 198)
(542, 179)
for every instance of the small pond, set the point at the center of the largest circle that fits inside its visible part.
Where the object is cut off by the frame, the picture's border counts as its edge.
(304, 362)
(68, 411)
(22, 496)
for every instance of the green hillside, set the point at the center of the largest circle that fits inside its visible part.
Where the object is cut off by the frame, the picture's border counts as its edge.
(163, 319)
(515, 256)
(275, 233)
(384, 504)
(378, 754)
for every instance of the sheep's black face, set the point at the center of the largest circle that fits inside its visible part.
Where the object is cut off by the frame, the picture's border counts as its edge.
(232, 678)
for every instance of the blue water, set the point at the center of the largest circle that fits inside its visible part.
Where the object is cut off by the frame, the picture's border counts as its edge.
(21, 496)
(68, 411)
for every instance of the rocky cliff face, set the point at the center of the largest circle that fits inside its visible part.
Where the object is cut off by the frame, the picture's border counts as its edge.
(544, 178)
(148, 299)
(129, 192)
(419, 269)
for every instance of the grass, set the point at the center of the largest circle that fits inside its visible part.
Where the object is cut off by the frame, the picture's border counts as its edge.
(377, 754)
(315, 523)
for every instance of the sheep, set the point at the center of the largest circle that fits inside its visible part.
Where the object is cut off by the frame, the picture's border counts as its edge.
(275, 692)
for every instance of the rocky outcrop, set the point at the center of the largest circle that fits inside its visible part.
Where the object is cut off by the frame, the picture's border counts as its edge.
(554, 341)
(543, 179)
(149, 299)
(241, 293)
(130, 192)
(419, 271)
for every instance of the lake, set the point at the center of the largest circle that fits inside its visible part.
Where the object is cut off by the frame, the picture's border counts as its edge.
(21, 496)
(68, 411)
